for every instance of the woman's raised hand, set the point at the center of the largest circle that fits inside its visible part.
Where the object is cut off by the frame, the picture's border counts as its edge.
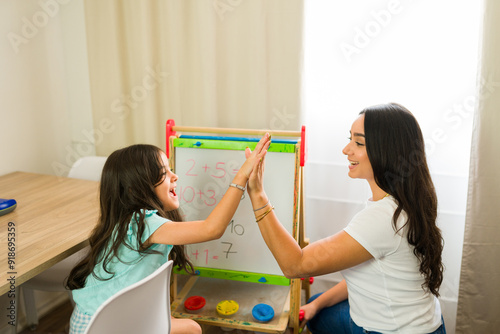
(255, 181)
(253, 158)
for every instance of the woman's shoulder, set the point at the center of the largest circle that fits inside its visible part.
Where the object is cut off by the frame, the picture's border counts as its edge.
(383, 207)
(380, 211)
(373, 229)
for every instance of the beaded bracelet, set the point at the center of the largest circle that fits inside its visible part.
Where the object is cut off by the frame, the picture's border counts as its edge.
(262, 216)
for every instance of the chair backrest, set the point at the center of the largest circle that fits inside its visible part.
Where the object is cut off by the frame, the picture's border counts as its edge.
(143, 307)
(88, 168)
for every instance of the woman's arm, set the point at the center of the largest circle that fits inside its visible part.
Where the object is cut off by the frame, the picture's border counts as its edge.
(328, 255)
(181, 233)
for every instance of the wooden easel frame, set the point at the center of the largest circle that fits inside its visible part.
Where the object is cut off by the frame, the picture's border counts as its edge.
(292, 305)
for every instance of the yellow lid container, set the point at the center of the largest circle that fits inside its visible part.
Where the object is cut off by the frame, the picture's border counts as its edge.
(227, 308)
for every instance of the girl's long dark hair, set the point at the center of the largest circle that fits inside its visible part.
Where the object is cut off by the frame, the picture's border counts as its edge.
(127, 187)
(395, 148)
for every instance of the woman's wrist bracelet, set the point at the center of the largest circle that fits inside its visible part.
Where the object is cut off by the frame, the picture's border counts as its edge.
(265, 213)
(262, 216)
(269, 201)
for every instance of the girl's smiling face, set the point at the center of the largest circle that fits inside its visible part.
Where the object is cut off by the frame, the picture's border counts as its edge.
(165, 190)
(359, 164)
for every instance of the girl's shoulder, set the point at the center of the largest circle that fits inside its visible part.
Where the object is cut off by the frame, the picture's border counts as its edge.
(150, 216)
(152, 221)
(147, 214)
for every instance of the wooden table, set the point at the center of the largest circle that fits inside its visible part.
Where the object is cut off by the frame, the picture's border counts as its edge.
(53, 219)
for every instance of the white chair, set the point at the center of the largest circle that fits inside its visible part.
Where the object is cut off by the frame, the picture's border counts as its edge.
(88, 168)
(52, 279)
(143, 307)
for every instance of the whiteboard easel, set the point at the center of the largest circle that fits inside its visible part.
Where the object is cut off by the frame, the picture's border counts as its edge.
(287, 307)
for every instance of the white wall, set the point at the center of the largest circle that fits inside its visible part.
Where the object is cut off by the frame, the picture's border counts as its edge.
(44, 94)
(43, 85)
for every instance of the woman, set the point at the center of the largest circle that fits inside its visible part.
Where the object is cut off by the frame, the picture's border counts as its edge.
(390, 252)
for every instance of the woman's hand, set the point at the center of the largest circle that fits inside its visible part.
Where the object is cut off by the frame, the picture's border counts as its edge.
(254, 158)
(256, 179)
(310, 311)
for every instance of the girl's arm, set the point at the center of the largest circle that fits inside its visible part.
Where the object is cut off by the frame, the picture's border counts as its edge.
(334, 295)
(328, 255)
(181, 233)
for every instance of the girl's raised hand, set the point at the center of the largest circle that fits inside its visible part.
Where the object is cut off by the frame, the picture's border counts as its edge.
(255, 182)
(253, 158)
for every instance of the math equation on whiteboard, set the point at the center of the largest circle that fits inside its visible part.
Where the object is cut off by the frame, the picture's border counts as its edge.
(217, 177)
(205, 255)
(204, 177)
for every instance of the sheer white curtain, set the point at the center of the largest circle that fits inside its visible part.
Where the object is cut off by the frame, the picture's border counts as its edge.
(422, 54)
(221, 63)
(479, 297)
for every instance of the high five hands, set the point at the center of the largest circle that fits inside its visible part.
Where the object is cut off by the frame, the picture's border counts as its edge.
(255, 182)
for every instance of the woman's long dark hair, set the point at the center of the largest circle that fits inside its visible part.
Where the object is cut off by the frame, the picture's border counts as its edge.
(395, 148)
(127, 187)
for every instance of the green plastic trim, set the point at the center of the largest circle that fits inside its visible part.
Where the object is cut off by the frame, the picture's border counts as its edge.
(230, 145)
(238, 276)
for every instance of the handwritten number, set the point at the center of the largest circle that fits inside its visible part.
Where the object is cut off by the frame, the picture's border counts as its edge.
(211, 197)
(183, 192)
(206, 257)
(220, 168)
(237, 228)
(229, 249)
(188, 172)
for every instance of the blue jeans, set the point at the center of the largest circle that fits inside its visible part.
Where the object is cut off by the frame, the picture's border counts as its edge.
(337, 320)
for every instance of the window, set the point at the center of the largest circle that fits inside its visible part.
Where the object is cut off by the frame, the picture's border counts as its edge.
(421, 54)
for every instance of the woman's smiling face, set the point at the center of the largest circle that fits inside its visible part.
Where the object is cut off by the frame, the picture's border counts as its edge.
(359, 164)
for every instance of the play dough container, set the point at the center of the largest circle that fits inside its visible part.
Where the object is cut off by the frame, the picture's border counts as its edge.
(194, 304)
(227, 308)
(262, 312)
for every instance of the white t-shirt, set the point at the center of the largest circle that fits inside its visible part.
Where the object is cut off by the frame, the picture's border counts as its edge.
(385, 293)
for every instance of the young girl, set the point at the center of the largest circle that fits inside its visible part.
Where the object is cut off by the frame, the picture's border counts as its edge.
(140, 227)
(390, 253)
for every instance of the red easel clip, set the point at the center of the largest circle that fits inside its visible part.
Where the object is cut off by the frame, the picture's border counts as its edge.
(170, 132)
(303, 146)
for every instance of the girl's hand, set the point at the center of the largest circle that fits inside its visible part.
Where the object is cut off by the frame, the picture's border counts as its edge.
(253, 158)
(255, 182)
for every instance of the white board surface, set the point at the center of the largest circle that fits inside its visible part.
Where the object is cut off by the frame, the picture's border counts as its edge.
(204, 176)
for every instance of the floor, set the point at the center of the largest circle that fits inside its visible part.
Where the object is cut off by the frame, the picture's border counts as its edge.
(57, 322)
